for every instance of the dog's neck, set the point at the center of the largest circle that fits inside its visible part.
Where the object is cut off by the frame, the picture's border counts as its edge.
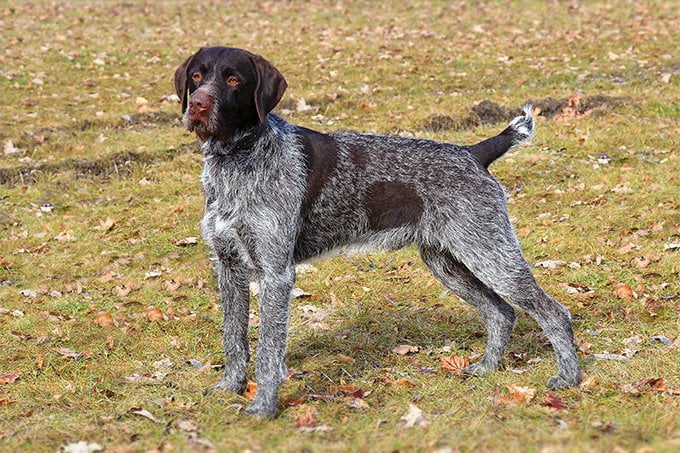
(241, 141)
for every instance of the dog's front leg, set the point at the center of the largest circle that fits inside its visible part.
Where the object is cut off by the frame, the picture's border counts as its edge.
(233, 280)
(275, 292)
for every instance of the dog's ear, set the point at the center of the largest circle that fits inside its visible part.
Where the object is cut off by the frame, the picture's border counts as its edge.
(182, 80)
(269, 88)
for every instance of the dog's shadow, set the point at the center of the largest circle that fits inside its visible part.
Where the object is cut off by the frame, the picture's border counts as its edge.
(357, 341)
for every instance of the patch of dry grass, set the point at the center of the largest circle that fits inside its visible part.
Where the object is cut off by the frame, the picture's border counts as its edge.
(104, 181)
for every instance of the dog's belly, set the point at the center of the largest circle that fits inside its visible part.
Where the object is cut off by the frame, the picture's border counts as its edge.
(316, 242)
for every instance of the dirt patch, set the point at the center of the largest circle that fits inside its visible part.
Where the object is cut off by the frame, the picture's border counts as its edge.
(137, 121)
(488, 112)
(116, 165)
(146, 120)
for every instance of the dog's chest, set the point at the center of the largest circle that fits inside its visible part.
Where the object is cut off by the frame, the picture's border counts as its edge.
(246, 207)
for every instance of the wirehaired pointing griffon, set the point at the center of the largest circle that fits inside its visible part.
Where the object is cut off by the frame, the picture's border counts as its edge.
(277, 194)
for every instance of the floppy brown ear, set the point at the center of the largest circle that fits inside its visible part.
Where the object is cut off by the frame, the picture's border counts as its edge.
(182, 81)
(270, 87)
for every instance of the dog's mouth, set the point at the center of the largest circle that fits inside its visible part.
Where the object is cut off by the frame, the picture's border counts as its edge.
(198, 124)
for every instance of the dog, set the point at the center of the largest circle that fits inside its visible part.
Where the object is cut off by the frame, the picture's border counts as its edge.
(277, 194)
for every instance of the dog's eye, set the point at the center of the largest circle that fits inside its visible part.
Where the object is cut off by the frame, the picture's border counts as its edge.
(197, 76)
(232, 81)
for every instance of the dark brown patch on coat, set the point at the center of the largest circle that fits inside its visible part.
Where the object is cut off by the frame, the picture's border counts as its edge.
(321, 153)
(358, 156)
(392, 204)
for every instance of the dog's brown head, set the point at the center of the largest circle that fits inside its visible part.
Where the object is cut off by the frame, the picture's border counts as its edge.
(224, 91)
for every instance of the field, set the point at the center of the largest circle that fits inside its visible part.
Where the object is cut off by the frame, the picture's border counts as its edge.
(109, 317)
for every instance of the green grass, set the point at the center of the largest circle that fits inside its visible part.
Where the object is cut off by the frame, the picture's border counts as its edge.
(393, 68)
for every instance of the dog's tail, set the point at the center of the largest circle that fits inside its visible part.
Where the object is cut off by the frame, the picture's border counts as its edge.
(519, 131)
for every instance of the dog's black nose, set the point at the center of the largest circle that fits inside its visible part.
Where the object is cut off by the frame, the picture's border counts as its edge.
(200, 101)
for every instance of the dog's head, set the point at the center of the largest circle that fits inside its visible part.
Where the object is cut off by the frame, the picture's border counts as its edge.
(224, 91)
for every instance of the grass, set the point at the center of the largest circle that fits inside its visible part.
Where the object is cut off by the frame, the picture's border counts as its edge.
(69, 73)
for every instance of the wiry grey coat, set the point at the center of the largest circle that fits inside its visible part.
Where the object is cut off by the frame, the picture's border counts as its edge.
(277, 194)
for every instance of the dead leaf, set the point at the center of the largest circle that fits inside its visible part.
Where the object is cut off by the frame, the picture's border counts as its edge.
(405, 349)
(414, 417)
(80, 447)
(401, 382)
(346, 359)
(676, 343)
(71, 354)
(106, 225)
(104, 319)
(6, 401)
(356, 403)
(145, 413)
(191, 240)
(655, 385)
(122, 290)
(550, 264)
(316, 429)
(172, 285)
(588, 383)
(455, 364)
(351, 390)
(553, 401)
(299, 293)
(625, 354)
(306, 419)
(154, 314)
(624, 292)
(521, 394)
(10, 378)
(251, 389)
(188, 426)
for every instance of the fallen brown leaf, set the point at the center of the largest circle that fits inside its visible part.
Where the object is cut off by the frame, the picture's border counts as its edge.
(144, 413)
(356, 403)
(401, 382)
(6, 401)
(191, 240)
(172, 285)
(71, 354)
(10, 378)
(405, 349)
(153, 314)
(106, 225)
(251, 389)
(553, 401)
(346, 359)
(521, 394)
(624, 292)
(104, 319)
(588, 383)
(351, 390)
(307, 419)
(122, 290)
(455, 363)
(649, 384)
(414, 417)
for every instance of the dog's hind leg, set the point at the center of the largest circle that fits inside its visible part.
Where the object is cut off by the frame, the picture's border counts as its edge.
(497, 261)
(498, 315)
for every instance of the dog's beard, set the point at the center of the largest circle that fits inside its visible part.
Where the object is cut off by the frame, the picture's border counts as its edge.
(203, 128)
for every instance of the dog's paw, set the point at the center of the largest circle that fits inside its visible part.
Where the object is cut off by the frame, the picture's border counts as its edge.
(264, 410)
(230, 385)
(561, 382)
(480, 368)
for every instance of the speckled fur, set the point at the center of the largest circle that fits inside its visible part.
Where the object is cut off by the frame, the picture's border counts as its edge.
(257, 228)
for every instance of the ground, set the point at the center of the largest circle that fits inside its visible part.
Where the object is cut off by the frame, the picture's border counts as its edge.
(109, 319)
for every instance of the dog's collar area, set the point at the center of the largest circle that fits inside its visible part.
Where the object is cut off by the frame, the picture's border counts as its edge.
(242, 141)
